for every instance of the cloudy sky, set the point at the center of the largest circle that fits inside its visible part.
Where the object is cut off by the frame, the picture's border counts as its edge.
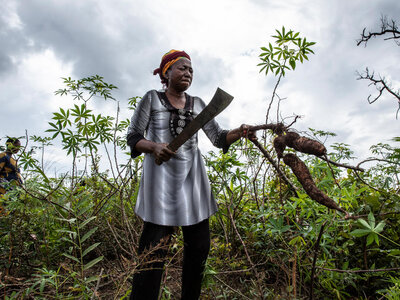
(123, 41)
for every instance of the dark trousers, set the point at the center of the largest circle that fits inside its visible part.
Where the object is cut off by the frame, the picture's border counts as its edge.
(196, 238)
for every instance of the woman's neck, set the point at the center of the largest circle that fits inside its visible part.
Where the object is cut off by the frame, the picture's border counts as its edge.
(177, 99)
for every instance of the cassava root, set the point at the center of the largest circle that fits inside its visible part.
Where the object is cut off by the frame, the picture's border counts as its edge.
(304, 177)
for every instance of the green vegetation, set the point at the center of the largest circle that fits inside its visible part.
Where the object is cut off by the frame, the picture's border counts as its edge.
(75, 236)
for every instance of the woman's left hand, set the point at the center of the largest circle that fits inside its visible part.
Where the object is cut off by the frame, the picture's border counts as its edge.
(243, 131)
(246, 132)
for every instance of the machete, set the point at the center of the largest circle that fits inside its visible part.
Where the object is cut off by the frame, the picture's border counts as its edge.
(218, 103)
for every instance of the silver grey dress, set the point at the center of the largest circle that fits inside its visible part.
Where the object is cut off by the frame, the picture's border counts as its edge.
(176, 193)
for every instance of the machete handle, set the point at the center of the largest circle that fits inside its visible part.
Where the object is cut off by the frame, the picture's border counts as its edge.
(158, 161)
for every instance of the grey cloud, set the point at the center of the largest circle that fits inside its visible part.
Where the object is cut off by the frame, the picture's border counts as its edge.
(77, 32)
(5, 63)
(209, 72)
(12, 44)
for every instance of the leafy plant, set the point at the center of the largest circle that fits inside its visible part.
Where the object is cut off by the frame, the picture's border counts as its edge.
(285, 52)
(369, 229)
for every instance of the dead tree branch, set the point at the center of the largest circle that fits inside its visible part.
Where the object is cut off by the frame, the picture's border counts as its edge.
(387, 28)
(380, 84)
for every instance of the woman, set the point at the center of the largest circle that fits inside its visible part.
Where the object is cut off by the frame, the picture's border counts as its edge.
(177, 192)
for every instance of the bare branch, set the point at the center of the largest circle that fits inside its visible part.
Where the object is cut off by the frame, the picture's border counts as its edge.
(388, 28)
(273, 96)
(357, 168)
(275, 165)
(377, 159)
(381, 86)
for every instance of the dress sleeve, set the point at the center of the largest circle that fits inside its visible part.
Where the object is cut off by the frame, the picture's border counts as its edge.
(139, 123)
(216, 135)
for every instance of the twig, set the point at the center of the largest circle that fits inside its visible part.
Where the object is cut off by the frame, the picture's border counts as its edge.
(316, 249)
(45, 198)
(359, 271)
(357, 168)
(378, 159)
(238, 234)
(367, 184)
(97, 284)
(386, 28)
(268, 156)
(231, 288)
(381, 85)
(273, 96)
(114, 140)
(294, 121)
(333, 174)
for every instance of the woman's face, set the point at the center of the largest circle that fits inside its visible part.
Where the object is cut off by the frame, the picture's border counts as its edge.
(180, 75)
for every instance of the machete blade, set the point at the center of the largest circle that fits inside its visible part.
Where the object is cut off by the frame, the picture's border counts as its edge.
(217, 104)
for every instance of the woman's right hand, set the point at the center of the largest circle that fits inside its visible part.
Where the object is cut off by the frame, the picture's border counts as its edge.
(162, 153)
(160, 150)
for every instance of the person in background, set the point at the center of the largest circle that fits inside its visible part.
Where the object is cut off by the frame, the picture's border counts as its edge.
(177, 192)
(9, 172)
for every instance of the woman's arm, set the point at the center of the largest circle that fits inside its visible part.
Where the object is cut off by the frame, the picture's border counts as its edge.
(160, 151)
(139, 123)
(237, 133)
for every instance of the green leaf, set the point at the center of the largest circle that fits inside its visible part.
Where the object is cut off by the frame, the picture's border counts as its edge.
(376, 239)
(88, 234)
(364, 223)
(71, 257)
(292, 63)
(360, 232)
(73, 233)
(394, 252)
(86, 222)
(92, 263)
(379, 227)
(371, 219)
(297, 241)
(92, 278)
(370, 238)
(42, 285)
(90, 249)
(83, 210)
(72, 220)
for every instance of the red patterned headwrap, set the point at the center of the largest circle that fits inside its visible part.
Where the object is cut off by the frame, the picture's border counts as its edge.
(167, 61)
